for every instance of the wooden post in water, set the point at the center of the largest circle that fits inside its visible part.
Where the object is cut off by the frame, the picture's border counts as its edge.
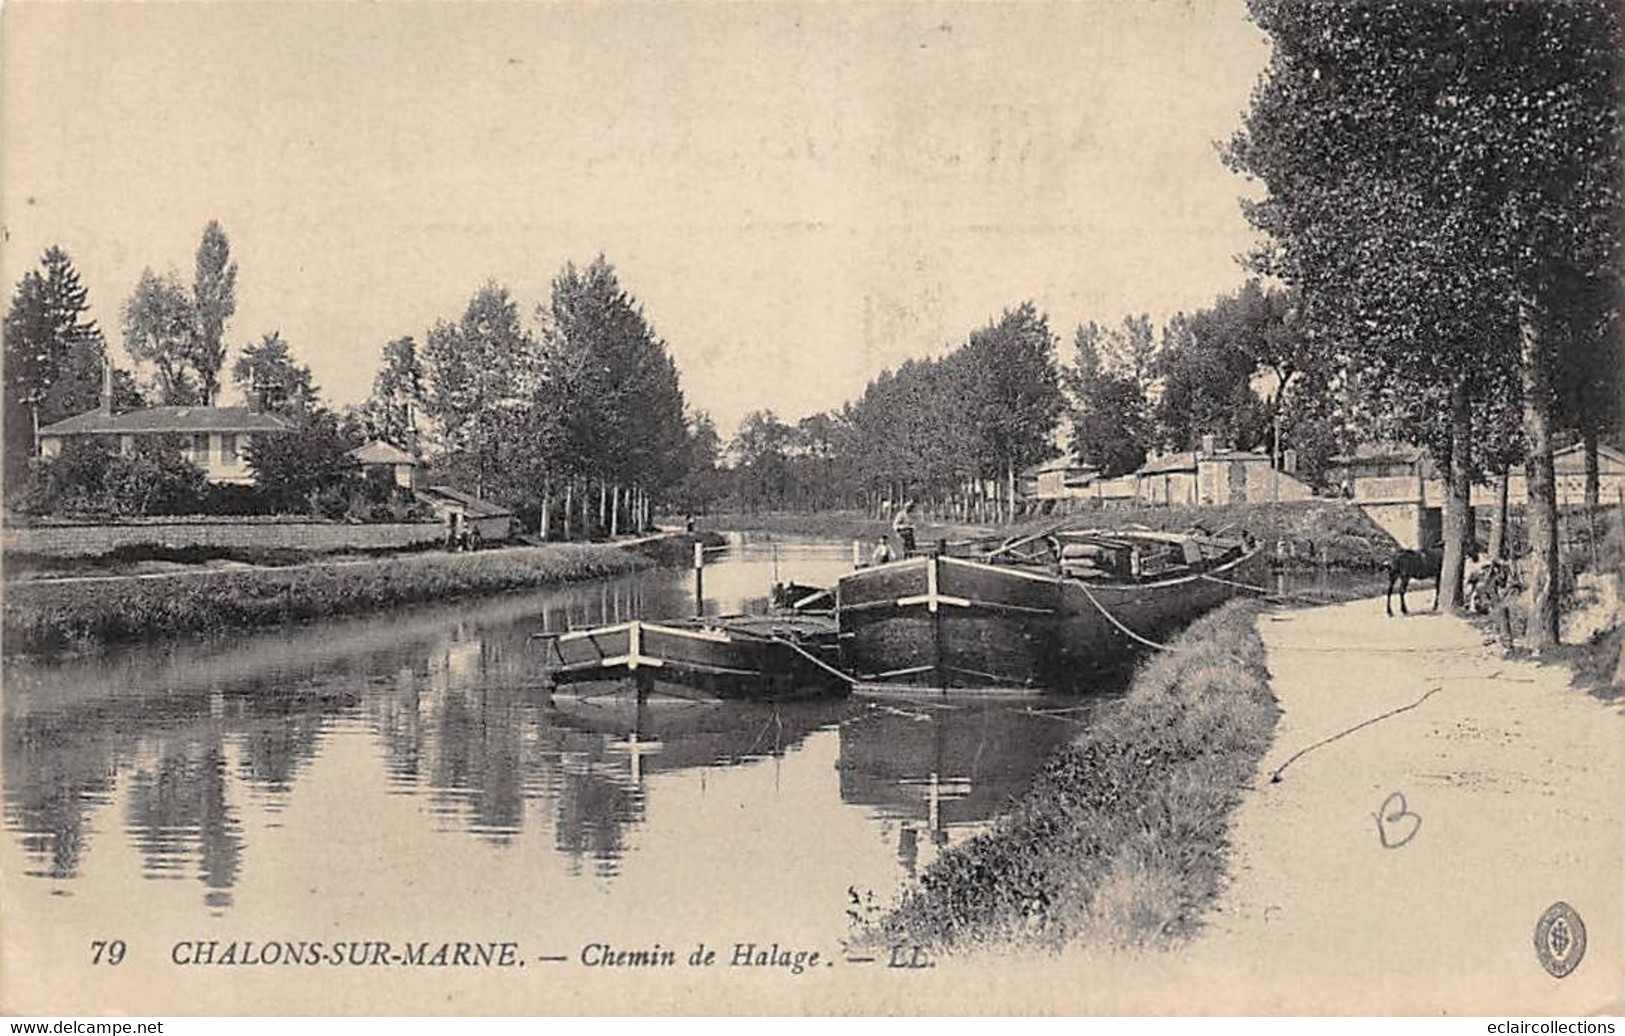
(699, 579)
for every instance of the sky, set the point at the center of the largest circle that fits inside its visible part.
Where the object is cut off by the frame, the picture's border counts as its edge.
(800, 195)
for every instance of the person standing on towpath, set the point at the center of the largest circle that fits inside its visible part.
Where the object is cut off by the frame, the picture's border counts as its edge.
(903, 526)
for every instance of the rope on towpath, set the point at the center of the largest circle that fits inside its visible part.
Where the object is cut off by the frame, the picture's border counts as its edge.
(1285, 595)
(1275, 778)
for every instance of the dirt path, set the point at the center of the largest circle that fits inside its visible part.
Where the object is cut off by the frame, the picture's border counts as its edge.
(1513, 792)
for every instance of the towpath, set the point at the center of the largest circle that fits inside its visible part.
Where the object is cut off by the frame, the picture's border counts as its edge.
(1402, 868)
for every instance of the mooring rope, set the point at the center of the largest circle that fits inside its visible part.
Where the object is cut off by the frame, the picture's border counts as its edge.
(1114, 621)
(815, 660)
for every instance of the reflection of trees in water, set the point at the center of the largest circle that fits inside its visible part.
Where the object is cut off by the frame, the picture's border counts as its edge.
(56, 771)
(595, 800)
(279, 729)
(60, 763)
(396, 719)
(179, 805)
(476, 759)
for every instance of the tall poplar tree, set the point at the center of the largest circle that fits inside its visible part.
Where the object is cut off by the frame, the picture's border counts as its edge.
(214, 300)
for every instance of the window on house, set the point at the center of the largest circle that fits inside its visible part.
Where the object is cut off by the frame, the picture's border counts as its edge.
(228, 448)
(200, 445)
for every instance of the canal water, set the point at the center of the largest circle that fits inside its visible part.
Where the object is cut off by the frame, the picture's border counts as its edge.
(406, 777)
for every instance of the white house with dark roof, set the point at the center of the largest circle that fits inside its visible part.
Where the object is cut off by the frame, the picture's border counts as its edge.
(213, 437)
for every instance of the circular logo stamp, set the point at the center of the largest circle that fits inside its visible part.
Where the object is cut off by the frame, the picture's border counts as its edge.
(1560, 939)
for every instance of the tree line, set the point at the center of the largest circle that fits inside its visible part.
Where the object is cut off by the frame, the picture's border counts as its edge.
(1443, 195)
(575, 418)
(952, 433)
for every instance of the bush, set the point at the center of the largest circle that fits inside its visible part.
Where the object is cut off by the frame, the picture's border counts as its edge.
(307, 470)
(91, 477)
(234, 499)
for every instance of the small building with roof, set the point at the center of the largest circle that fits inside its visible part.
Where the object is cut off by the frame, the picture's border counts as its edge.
(1209, 475)
(403, 468)
(1059, 478)
(464, 512)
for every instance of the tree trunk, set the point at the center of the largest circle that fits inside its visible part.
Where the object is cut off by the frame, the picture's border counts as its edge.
(1593, 475)
(1619, 594)
(1498, 521)
(1457, 501)
(547, 508)
(569, 500)
(1541, 508)
(1010, 485)
(615, 512)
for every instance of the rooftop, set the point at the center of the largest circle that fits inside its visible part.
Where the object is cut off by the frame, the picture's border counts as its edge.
(1172, 462)
(380, 452)
(472, 504)
(162, 419)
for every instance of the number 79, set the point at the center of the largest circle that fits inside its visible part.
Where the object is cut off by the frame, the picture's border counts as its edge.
(112, 950)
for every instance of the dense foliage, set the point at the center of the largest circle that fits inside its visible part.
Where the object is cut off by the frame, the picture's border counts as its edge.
(1444, 193)
(92, 477)
(54, 359)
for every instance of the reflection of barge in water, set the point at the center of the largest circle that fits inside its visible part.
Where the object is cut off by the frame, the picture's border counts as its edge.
(761, 658)
(937, 770)
(663, 734)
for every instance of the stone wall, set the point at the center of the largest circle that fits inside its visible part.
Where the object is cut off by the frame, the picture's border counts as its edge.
(71, 539)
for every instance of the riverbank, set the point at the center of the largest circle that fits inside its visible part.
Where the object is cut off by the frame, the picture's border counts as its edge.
(62, 614)
(1119, 841)
(1402, 869)
(1308, 534)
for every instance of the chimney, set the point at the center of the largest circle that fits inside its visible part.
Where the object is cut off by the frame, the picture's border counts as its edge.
(1209, 442)
(107, 385)
(255, 403)
(411, 444)
(1289, 461)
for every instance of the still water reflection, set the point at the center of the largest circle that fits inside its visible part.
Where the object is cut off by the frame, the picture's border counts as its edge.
(394, 768)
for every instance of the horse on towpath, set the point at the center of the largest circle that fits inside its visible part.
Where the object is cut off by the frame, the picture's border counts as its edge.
(1426, 563)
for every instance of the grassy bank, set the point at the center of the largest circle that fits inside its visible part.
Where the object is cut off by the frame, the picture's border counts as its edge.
(1312, 533)
(49, 616)
(1120, 840)
(144, 558)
